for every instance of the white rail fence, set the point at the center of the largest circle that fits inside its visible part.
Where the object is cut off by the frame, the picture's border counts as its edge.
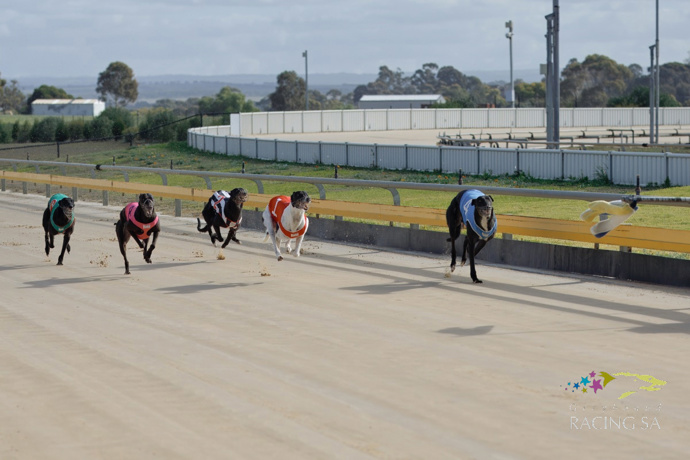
(619, 167)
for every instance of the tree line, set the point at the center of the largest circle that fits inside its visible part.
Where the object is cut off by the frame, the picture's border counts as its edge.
(598, 81)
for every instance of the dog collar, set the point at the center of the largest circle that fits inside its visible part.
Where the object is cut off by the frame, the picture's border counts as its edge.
(219, 201)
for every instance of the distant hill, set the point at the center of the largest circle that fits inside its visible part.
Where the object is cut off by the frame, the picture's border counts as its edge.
(254, 86)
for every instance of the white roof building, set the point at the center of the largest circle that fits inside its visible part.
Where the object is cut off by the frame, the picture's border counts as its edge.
(68, 107)
(399, 101)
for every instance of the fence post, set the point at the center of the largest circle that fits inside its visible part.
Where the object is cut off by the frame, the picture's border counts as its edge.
(178, 207)
(106, 197)
(24, 188)
(3, 185)
(75, 194)
(48, 191)
(58, 149)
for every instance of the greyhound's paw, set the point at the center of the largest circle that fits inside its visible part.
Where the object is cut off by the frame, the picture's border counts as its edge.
(476, 281)
(148, 261)
(452, 268)
(51, 246)
(447, 273)
(236, 241)
(280, 258)
(68, 248)
(59, 262)
(462, 262)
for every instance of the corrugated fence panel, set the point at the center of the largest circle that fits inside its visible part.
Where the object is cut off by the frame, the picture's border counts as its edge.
(460, 158)
(679, 169)
(287, 150)
(333, 153)
(497, 161)
(361, 155)
(448, 118)
(617, 117)
(423, 158)
(275, 122)
(544, 164)
(311, 122)
(531, 118)
(246, 124)
(332, 120)
(353, 120)
(248, 147)
(674, 116)
(266, 150)
(499, 118)
(376, 120)
(475, 118)
(587, 117)
(586, 164)
(260, 123)
(650, 167)
(423, 119)
(566, 119)
(219, 144)
(293, 122)
(234, 146)
(399, 119)
(390, 156)
(308, 152)
(641, 118)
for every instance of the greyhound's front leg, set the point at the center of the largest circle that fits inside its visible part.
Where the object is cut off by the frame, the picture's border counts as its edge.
(137, 240)
(276, 245)
(147, 253)
(298, 246)
(49, 243)
(65, 246)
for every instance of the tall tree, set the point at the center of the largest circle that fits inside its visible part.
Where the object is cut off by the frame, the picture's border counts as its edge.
(290, 92)
(117, 82)
(48, 92)
(11, 97)
(227, 100)
(593, 82)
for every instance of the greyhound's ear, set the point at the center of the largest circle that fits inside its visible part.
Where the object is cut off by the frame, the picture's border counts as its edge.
(490, 197)
(473, 202)
(142, 196)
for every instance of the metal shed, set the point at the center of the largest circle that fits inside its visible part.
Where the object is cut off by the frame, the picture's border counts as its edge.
(399, 101)
(69, 107)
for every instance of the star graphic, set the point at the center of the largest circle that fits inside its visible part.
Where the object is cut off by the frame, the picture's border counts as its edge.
(596, 385)
(592, 374)
(576, 385)
(607, 377)
(584, 390)
(584, 381)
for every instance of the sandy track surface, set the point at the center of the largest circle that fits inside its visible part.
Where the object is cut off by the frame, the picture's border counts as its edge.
(345, 353)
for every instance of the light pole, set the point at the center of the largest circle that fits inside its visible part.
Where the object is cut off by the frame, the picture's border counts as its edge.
(306, 79)
(509, 36)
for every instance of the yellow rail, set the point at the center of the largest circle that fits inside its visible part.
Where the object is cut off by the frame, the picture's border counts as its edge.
(625, 235)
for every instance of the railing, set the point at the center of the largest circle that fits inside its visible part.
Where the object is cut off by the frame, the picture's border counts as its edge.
(624, 236)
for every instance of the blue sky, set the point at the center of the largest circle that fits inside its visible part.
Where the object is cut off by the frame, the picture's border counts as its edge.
(214, 37)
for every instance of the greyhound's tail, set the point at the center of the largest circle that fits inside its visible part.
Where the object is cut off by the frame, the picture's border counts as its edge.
(198, 226)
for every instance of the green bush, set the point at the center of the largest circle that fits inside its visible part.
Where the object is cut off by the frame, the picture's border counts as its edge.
(100, 128)
(158, 126)
(44, 130)
(61, 133)
(21, 132)
(5, 133)
(75, 129)
(120, 117)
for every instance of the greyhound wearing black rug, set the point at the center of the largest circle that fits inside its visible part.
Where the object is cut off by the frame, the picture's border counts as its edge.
(473, 210)
(223, 209)
(139, 221)
(58, 217)
(285, 220)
